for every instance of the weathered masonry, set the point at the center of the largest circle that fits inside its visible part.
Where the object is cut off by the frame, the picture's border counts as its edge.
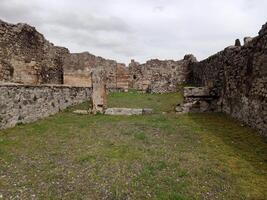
(235, 77)
(238, 75)
(77, 69)
(26, 57)
(26, 103)
(160, 76)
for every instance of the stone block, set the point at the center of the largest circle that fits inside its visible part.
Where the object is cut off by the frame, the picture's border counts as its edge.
(196, 92)
(123, 111)
(147, 111)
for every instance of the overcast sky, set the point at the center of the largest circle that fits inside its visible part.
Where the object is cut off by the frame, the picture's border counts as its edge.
(140, 29)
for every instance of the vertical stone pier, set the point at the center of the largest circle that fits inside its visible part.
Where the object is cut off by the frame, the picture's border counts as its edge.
(99, 95)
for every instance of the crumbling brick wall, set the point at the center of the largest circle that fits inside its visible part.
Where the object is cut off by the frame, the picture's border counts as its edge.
(238, 75)
(6, 71)
(159, 76)
(122, 77)
(27, 57)
(78, 67)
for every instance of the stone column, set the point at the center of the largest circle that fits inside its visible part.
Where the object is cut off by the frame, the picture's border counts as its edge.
(99, 95)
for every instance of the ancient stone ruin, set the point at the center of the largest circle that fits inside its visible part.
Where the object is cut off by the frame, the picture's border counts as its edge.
(159, 76)
(129, 111)
(27, 57)
(238, 77)
(99, 94)
(198, 99)
(78, 66)
(38, 79)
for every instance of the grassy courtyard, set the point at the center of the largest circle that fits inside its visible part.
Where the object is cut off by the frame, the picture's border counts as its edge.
(161, 156)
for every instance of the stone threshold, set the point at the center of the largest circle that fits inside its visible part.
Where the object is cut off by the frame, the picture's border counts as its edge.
(120, 111)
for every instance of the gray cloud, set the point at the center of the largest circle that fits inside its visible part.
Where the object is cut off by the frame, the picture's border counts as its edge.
(87, 22)
(140, 29)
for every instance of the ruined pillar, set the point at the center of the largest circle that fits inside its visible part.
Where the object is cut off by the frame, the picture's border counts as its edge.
(237, 43)
(99, 95)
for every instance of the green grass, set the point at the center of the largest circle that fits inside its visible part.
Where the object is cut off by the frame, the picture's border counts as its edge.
(133, 99)
(161, 156)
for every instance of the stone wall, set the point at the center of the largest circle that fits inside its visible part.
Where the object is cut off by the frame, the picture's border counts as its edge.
(24, 104)
(159, 76)
(78, 68)
(238, 75)
(198, 99)
(123, 77)
(27, 57)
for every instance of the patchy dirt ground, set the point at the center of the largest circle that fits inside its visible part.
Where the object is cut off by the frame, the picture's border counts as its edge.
(162, 156)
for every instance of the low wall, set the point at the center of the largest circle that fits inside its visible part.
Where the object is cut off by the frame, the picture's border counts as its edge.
(24, 103)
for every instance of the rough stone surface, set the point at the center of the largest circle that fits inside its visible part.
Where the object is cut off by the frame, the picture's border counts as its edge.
(24, 104)
(27, 57)
(124, 111)
(237, 43)
(99, 95)
(78, 67)
(147, 111)
(120, 111)
(122, 77)
(238, 76)
(196, 92)
(247, 40)
(158, 76)
(198, 99)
